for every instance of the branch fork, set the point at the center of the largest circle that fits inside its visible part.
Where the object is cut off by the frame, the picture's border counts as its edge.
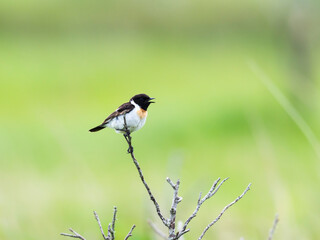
(170, 223)
(111, 228)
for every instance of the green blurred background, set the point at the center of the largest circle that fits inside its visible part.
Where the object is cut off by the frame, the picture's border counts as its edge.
(64, 65)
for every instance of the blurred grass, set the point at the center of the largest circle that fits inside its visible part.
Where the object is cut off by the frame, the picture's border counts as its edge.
(213, 118)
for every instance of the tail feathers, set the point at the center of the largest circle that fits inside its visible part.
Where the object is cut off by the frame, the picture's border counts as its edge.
(98, 128)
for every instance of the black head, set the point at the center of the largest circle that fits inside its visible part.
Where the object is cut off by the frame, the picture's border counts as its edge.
(142, 100)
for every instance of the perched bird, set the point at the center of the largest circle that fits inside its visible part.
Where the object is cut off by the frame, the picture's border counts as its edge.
(133, 113)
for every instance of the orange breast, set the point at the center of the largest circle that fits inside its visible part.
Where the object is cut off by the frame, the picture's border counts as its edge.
(142, 113)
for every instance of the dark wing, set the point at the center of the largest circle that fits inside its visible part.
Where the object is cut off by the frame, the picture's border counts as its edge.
(123, 109)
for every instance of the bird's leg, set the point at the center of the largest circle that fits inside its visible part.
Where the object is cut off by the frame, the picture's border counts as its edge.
(127, 135)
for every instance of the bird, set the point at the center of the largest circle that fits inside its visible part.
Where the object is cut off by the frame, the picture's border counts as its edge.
(129, 117)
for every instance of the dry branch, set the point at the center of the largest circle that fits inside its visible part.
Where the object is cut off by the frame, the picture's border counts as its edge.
(130, 232)
(128, 138)
(76, 235)
(173, 211)
(111, 229)
(211, 192)
(100, 226)
(170, 223)
(222, 212)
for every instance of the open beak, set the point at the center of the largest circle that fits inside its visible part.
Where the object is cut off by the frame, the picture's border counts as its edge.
(150, 100)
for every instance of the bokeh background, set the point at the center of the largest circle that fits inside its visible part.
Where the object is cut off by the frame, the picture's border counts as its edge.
(237, 95)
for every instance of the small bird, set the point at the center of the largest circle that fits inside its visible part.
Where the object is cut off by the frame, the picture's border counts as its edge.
(129, 117)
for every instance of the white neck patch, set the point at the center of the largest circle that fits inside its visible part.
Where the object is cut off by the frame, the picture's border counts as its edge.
(134, 104)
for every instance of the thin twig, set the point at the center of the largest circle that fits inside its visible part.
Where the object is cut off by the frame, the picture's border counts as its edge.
(222, 212)
(111, 228)
(171, 183)
(100, 226)
(76, 235)
(211, 192)
(157, 230)
(272, 230)
(130, 150)
(130, 232)
(173, 211)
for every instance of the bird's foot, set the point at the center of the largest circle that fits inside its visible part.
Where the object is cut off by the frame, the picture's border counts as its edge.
(130, 150)
(128, 139)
